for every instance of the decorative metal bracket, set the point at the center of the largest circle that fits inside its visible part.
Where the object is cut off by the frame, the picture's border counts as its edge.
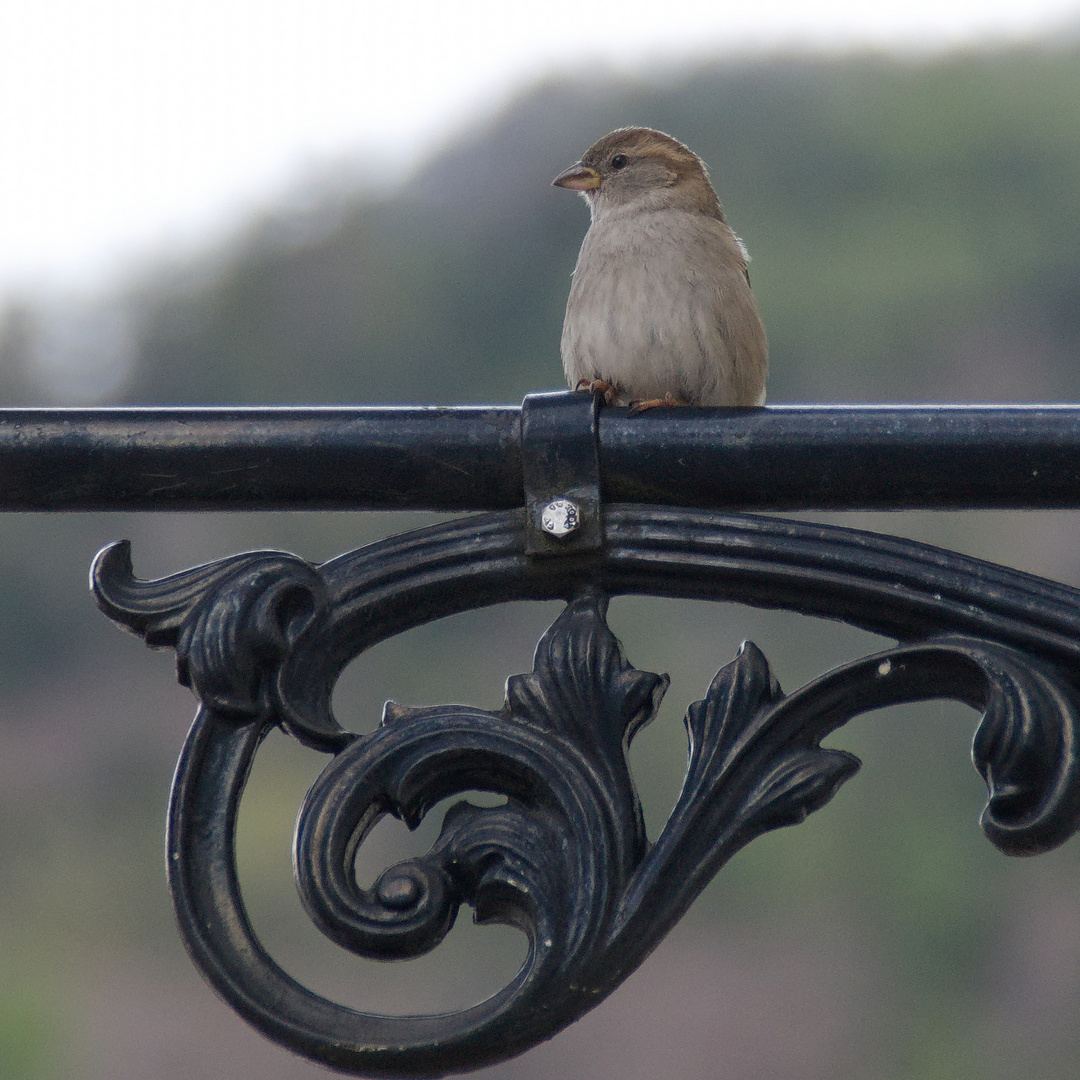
(262, 637)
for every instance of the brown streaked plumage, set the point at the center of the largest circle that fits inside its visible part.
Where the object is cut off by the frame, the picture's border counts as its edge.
(660, 309)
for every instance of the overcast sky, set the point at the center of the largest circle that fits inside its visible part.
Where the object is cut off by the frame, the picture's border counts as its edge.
(128, 125)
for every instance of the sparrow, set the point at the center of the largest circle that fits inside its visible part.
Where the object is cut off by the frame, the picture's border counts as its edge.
(660, 310)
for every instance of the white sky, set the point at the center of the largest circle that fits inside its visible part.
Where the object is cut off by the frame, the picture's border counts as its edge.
(130, 125)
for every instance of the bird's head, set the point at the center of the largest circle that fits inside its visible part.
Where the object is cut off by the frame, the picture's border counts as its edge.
(641, 166)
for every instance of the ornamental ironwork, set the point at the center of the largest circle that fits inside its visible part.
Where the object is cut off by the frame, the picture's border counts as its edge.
(262, 637)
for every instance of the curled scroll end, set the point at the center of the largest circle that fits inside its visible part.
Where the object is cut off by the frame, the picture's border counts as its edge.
(123, 597)
(1026, 750)
(112, 564)
(234, 624)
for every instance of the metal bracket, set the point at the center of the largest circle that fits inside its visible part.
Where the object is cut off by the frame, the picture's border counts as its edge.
(560, 464)
(262, 636)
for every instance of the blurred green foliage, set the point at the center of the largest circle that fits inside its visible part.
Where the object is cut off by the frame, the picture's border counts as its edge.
(915, 227)
(27, 1045)
(912, 226)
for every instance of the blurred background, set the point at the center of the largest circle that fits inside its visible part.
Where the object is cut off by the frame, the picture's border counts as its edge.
(339, 203)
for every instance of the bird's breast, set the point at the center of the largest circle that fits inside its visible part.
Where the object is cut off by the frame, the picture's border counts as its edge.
(643, 310)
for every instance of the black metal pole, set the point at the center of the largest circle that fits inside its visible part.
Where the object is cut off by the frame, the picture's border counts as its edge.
(469, 458)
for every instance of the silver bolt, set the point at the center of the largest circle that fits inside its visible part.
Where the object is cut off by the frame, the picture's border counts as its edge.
(560, 517)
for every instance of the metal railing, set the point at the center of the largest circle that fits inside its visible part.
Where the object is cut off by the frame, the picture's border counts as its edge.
(581, 503)
(470, 458)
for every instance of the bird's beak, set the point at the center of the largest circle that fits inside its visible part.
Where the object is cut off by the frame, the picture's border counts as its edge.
(578, 178)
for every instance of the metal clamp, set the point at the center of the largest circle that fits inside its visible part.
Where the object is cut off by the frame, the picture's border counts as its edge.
(560, 463)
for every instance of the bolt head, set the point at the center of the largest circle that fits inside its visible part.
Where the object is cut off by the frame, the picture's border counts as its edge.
(560, 517)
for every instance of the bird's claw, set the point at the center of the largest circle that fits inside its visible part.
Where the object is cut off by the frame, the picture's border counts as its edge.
(599, 386)
(668, 401)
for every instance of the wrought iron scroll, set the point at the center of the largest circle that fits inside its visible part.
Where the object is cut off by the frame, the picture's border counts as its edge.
(262, 637)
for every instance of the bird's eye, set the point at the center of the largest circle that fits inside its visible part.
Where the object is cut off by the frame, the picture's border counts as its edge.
(620, 161)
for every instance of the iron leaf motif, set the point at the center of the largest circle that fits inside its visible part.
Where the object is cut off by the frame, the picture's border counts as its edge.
(553, 861)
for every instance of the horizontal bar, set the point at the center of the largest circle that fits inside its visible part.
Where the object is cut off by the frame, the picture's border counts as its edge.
(853, 458)
(468, 458)
(259, 459)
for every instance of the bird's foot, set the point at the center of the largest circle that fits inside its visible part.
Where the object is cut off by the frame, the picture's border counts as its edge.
(668, 401)
(599, 386)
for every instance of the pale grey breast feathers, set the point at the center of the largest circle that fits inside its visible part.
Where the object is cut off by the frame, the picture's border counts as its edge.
(659, 304)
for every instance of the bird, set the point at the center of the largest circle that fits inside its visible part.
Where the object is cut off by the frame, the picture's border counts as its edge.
(660, 311)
